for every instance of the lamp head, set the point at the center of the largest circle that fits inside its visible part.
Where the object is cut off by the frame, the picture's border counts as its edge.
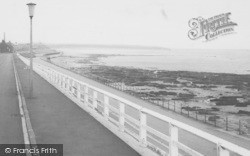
(31, 9)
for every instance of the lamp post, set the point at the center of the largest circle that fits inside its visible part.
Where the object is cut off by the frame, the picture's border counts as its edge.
(31, 7)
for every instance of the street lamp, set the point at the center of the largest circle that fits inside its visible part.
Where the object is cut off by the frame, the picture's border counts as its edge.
(31, 7)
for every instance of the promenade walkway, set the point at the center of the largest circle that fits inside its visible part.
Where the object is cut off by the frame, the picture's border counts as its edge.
(10, 121)
(57, 120)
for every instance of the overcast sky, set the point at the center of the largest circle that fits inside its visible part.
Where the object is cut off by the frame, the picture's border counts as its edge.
(123, 22)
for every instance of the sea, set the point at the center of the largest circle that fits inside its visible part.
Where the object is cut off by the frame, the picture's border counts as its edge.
(199, 60)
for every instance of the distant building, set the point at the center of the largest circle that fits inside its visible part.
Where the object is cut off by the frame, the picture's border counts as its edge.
(6, 47)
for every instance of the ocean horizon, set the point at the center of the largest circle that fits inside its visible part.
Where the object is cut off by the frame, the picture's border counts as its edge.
(198, 60)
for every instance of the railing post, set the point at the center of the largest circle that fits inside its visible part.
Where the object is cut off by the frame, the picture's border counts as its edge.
(215, 120)
(205, 116)
(181, 108)
(49, 75)
(64, 83)
(73, 88)
(163, 102)
(70, 86)
(121, 116)
(222, 151)
(86, 96)
(106, 107)
(226, 123)
(67, 84)
(174, 106)
(239, 127)
(95, 99)
(59, 80)
(54, 77)
(78, 91)
(173, 131)
(46, 74)
(143, 130)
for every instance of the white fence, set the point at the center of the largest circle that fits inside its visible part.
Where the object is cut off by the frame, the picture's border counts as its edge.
(136, 132)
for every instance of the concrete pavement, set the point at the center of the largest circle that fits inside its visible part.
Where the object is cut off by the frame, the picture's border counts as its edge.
(10, 120)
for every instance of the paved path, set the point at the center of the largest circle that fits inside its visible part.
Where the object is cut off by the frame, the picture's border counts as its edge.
(57, 120)
(10, 120)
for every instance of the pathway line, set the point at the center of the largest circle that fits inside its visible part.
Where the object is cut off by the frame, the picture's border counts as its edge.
(28, 133)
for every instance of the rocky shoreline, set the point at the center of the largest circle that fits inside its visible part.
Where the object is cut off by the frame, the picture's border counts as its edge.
(218, 89)
(217, 95)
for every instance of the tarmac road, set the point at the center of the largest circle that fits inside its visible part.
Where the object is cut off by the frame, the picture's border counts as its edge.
(10, 120)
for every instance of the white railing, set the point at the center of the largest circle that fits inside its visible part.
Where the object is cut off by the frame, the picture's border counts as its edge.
(136, 132)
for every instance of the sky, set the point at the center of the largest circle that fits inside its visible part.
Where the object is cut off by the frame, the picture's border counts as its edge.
(162, 23)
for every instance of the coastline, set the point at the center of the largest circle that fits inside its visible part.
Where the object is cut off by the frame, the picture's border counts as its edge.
(216, 94)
